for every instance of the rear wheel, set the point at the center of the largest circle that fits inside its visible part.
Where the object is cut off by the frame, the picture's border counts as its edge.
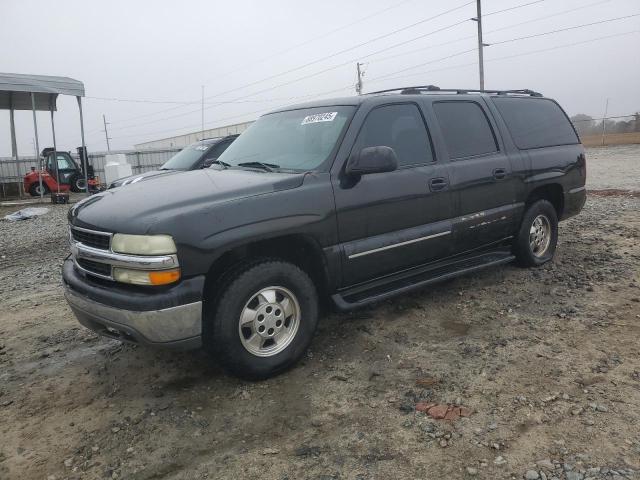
(538, 235)
(35, 189)
(263, 321)
(78, 184)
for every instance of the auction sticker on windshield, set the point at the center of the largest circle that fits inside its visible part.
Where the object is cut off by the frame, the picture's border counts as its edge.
(319, 117)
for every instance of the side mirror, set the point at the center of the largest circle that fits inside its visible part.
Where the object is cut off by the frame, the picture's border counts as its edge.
(372, 160)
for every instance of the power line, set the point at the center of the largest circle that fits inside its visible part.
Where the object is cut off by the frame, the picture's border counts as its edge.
(436, 60)
(565, 29)
(510, 41)
(545, 17)
(242, 99)
(459, 39)
(457, 54)
(345, 50)
(513, 8)
(521, 54)
(306, 42)
(318, 60)
(311, 40)
(176, 102)
(310, 75)
(263, 110)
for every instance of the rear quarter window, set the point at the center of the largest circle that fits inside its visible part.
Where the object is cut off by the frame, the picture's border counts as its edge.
(536, 122)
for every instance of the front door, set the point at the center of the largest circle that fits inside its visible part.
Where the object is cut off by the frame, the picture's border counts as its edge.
(66, 167)
(395, 220)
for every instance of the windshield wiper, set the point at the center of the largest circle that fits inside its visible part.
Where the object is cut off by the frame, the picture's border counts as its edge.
(269, 167)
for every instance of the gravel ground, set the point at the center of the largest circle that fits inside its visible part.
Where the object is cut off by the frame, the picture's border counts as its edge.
(614, 167)
(545, 364)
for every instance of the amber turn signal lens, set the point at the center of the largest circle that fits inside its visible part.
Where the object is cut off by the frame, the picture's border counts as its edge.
(164, 277)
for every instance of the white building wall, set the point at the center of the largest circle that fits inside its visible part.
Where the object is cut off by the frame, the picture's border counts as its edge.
(180, 141)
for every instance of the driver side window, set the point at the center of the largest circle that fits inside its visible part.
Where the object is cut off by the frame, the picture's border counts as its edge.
(400, 127)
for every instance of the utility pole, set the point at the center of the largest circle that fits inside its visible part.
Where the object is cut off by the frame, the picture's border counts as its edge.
(360, 75)
(202, 124)
(604, 121)
(478, 19)
(106, 134)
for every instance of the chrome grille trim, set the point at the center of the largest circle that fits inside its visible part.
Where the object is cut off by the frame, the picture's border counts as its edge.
(80, 250)
(82, 238)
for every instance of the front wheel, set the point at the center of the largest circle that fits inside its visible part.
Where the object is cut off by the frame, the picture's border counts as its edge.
(538, 236)
(35, 190)
(263, 321)
(78, 184)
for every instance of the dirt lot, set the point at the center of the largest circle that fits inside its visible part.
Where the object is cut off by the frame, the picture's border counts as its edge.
(547, 361)
(611, 139)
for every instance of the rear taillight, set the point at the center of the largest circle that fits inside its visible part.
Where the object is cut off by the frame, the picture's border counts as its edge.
(582, 164)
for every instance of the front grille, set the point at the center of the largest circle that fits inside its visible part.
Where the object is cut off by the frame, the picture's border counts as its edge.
(91, 239)
(95, 267)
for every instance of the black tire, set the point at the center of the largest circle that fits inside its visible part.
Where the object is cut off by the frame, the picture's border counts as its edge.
(526, 256)
(78, 184)
(222, 335)
(33, 189)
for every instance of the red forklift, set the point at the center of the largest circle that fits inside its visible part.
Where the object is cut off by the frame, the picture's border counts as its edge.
(70, 176)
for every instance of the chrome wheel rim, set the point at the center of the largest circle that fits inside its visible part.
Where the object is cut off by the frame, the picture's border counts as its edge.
(269, 321)
(540, 235)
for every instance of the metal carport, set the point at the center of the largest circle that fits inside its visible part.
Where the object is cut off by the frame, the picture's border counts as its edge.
(39, 92)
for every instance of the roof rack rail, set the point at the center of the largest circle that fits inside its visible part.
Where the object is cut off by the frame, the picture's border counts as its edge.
(432, 88)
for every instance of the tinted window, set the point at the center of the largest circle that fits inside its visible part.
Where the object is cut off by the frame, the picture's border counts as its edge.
(400, 127)
(216, 151)
(536, 122)
(465, 129)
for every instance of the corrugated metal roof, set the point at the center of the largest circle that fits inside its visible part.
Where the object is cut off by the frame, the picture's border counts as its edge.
(16, 89)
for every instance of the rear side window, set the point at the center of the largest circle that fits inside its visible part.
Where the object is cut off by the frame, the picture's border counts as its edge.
(536, 122)
(400, 127)
(465, 129)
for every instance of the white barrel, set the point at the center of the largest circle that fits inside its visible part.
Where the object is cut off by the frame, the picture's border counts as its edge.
(116, 167)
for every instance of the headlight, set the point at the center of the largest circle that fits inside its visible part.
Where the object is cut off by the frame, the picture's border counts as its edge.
(145, 277)
(143, 244)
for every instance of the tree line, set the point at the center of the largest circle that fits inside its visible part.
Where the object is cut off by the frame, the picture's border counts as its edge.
(586, 125)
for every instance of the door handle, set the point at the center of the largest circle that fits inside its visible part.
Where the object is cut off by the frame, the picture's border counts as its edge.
(438, 183)
(499, 173)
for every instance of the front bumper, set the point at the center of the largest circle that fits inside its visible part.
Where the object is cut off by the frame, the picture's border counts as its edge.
(158, 319)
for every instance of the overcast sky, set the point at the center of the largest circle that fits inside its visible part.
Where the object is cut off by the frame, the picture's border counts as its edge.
(252, 56)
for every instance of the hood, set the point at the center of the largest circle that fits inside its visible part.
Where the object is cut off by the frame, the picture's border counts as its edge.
(136, 207)
(141, 176)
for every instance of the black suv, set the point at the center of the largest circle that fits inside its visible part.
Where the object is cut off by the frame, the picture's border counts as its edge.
(201, 154)
(353, 199)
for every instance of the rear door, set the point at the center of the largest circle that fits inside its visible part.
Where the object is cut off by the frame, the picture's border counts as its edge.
(395, 220)
(480, 172)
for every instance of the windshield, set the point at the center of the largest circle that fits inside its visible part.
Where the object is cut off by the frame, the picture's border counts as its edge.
(297, 140)
(185, 158)
(64, 162)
